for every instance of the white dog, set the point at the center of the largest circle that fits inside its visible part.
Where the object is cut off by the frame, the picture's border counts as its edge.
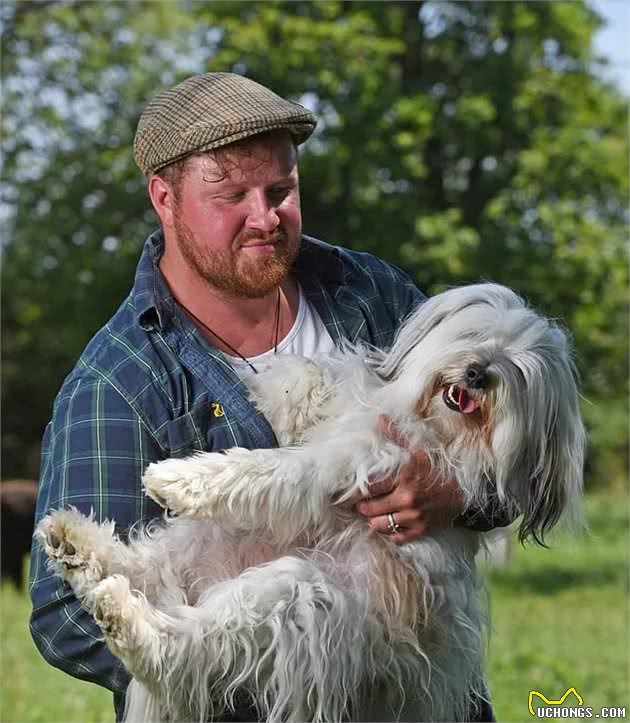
(267, 586)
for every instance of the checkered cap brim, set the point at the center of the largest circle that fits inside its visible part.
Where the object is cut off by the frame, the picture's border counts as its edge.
(210, 111)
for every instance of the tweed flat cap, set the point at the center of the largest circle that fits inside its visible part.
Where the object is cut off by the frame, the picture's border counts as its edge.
(210, 111)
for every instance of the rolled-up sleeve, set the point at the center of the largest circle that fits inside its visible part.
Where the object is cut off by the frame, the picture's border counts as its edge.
(94, 452)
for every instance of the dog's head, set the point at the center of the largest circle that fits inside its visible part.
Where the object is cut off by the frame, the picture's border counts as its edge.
(496, 383)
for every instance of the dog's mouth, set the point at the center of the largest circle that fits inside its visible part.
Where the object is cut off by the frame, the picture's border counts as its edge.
(459, 400)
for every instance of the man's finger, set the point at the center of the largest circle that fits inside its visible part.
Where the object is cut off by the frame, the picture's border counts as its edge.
(390, 430)
(383, 523)
(382, 505)
(409, 534)
(376, 488)
(379, 487)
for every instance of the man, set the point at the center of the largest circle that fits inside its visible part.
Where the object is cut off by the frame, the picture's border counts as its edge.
(228, 281)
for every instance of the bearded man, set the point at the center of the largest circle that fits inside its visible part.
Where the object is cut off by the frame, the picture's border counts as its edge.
(227, 281)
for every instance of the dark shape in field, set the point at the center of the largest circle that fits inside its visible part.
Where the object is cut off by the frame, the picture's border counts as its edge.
(17, 512)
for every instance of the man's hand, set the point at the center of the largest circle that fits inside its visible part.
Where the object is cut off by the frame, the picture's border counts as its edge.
(419, 499)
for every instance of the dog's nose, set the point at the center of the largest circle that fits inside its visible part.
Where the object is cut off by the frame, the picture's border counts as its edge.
(476, 376)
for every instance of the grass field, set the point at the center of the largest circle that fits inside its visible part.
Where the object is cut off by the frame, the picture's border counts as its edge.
(559, 617)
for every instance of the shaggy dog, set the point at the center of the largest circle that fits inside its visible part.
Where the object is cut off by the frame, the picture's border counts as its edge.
(266, 585)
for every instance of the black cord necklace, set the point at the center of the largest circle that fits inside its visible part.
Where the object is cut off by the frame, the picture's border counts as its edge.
(229, 346)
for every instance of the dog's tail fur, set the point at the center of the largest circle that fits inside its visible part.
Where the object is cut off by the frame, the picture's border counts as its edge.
(141, 705)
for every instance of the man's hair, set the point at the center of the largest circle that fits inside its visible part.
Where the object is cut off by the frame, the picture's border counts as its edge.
(173, 174)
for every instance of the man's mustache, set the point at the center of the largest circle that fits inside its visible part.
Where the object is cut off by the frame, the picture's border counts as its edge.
(278, 235)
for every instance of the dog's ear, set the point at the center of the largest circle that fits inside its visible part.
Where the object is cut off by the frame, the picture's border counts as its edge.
(558, 440)
(427, 392)
(434, 311)
(418, 324)
(554, 494)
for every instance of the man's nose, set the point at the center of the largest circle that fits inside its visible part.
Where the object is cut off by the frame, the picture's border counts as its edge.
(261, 214)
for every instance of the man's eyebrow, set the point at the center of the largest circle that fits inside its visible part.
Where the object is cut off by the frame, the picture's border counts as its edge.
(284, 181)
(227, 184)
(210, 178)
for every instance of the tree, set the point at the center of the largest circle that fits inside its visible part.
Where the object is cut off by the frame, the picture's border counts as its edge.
(461, 140)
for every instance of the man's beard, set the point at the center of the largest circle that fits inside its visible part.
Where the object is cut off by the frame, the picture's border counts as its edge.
(234, 272)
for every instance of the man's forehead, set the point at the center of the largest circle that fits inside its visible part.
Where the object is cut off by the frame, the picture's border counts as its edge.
(257, 154)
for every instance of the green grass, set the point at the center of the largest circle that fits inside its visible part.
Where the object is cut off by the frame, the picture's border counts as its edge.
(31, 690)
(559, 619)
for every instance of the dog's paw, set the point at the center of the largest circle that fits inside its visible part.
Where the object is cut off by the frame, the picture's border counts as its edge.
(111, 603)
(135, 632)
(185, 486)
(76, 545)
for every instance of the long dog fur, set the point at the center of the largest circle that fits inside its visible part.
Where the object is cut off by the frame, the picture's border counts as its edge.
(267, 586)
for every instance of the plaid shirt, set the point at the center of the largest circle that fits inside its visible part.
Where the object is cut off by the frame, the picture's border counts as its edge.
(147, 388)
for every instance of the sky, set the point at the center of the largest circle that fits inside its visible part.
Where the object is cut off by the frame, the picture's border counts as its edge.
(613, 41)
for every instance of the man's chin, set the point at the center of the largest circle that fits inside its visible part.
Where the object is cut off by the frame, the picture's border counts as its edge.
(262, 271)
(267, 275)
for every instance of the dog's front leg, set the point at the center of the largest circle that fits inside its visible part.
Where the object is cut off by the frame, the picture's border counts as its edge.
(292, 394)
(284, 490)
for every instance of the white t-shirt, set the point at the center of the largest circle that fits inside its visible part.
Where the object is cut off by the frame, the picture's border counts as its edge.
(308, 337)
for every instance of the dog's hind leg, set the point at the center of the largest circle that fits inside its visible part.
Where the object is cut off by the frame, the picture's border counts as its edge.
(83, 552)
(283, 632)
(134, 630)
(80, 550)
(291, 635)
(158, 650)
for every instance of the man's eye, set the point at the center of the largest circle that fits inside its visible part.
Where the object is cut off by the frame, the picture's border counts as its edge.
(280, 191)
(232, 196)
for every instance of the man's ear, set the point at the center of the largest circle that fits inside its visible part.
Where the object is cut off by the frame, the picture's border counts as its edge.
(163, 200)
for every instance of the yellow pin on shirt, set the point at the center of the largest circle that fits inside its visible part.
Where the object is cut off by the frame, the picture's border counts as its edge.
(217, 409)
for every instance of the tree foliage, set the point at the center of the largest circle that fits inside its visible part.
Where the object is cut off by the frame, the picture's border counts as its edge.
(460, 140)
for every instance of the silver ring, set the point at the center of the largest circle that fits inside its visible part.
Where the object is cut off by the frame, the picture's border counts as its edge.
(393, 525)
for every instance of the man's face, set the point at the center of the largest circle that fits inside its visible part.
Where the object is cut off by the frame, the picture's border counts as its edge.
(237, 217)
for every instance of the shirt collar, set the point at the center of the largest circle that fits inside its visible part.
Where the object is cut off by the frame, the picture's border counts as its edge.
(152, 297)
(319, 259)
(155, 304)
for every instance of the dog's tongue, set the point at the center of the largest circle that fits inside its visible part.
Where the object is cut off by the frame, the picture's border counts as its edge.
(466, 403)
